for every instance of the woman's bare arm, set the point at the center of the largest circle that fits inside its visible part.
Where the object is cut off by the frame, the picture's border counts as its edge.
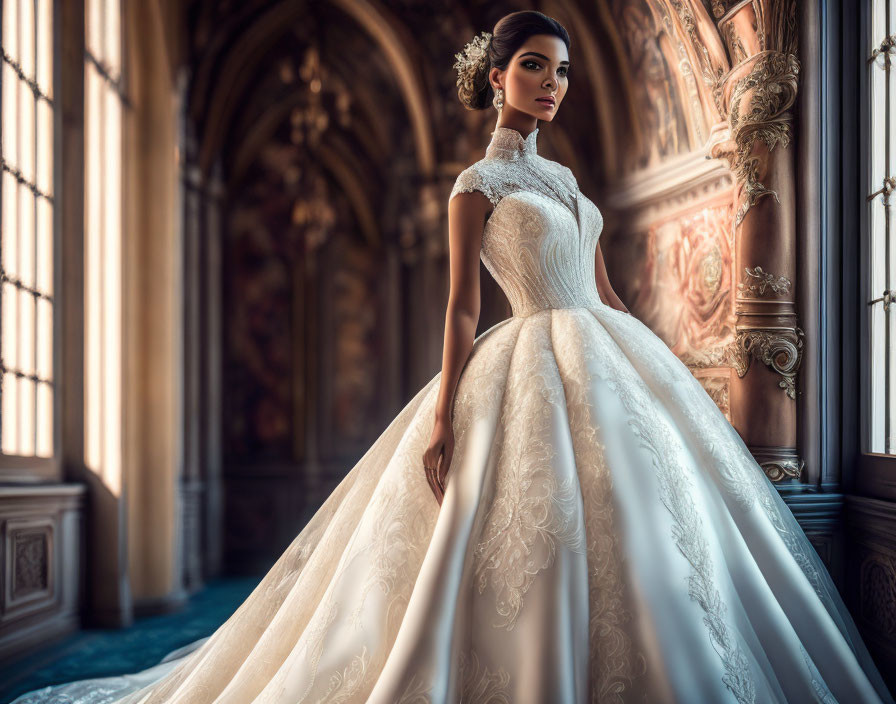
(604, 289)
(466, 219)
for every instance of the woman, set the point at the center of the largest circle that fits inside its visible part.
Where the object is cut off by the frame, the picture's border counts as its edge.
(599, 532)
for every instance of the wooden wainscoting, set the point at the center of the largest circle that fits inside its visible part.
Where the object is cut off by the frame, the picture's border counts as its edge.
(871, 576)
(41, 554)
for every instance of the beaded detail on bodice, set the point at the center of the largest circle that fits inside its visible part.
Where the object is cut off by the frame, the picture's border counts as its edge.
(539, 240)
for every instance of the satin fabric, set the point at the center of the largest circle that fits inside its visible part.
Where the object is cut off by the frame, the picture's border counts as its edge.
(605, 535)
(653, 578)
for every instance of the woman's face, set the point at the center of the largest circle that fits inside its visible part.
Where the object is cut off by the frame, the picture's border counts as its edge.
(535, 74)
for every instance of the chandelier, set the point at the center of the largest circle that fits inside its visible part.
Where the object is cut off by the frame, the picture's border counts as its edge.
(324, 97)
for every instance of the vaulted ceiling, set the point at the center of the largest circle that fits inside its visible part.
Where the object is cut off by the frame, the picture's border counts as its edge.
(642, 83)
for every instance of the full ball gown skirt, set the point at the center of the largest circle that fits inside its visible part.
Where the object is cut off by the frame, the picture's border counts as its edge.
(605, 534)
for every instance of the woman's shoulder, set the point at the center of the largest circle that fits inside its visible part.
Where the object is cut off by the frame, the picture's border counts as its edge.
(478, 176)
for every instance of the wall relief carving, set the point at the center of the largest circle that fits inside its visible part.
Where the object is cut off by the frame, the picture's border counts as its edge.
(30, 569)
(779, 463)
(757, 281)
(877, 585)
(779, 349)
(759, 111)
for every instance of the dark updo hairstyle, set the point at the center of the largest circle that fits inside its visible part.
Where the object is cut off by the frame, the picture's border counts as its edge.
(510, 33)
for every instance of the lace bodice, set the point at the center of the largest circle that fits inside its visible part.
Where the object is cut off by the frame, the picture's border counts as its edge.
(539, 241)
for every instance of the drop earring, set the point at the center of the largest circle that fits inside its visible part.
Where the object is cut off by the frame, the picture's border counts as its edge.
(498, 100)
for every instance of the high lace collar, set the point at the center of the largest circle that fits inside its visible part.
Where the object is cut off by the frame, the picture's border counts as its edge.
(507, 143)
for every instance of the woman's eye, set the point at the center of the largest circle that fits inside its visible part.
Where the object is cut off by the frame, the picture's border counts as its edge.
(534, 65)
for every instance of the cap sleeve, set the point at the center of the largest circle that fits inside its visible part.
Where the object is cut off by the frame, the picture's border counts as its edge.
(472, 179)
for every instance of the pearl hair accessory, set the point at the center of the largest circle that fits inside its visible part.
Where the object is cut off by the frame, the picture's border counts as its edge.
(474, 54)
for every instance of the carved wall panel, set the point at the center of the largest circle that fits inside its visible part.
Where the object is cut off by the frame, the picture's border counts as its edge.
(871, 577)
(674, 261)
(41, 538)
(686, 291)
(687, 294)
(29, 563)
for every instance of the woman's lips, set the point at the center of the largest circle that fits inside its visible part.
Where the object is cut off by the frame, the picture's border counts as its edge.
(545, 101)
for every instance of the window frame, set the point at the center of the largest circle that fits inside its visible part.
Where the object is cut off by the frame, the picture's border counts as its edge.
(19, 469)
(875, 472)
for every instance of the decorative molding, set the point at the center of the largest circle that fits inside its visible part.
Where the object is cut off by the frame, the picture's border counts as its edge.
(779, 463)
(29, 544)
(687, 73)
(706, 43)
(874, 518)
(673, 185)
(778, 470)
(721, 9)
(31, 562)
(41, 543)
(759, 110)
(757, 281)
(779, 349)
(877, 584)
(735, 43)
(871, 569)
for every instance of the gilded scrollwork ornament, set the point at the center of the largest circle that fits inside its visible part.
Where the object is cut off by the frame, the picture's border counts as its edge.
(779, 463)
(760, 110)
(779, 349)
(779, 470)
(736, 47)
(757, 281)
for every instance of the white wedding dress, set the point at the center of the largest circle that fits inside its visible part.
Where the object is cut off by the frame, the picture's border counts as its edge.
(605, 535)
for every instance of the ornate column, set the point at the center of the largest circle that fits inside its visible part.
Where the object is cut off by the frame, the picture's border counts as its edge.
(757, 95)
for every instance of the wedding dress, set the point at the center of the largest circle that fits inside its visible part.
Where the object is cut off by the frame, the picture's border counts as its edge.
(605, 535)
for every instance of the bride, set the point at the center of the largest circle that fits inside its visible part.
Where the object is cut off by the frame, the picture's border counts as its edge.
(561, 515)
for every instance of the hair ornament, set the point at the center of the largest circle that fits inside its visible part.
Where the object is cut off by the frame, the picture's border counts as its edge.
(472, 56)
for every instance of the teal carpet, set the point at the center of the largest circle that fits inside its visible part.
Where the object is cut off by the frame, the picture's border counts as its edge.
(103, 652)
